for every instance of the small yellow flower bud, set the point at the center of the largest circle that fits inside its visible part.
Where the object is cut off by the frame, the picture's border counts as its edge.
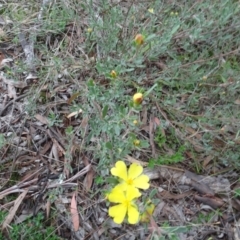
(139, 39)
(113, 74)
(89, 30)
(138, 98)
(136, 142)
(151, 10)
(135, 122)
(176, 13)
(204, 78)
(172, 13)
(148, 212)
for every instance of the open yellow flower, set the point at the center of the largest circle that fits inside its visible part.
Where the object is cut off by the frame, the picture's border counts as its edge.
(125, 206)
(133, 178)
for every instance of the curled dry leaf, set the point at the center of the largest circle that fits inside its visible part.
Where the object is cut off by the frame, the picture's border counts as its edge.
(74, 213)
(74, 113)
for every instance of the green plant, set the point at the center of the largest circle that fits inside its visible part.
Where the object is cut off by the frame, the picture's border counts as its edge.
(168, 159)
(183, 58)
(2, 140)
(33, 229)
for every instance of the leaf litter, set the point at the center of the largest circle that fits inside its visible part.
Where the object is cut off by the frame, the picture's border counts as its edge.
(40, 152)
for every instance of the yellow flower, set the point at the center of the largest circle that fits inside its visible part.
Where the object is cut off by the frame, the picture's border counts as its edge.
(151, 10)
(136, 142)
(89, 30)
(135, 122)
(139, 39)
(131, 179)
(204, 78)
(138, 98)
(125, 206)
(113, 74)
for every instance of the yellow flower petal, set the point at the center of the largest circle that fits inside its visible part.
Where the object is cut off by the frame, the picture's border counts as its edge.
(120, 170)
(116, 195)
(134, 171)
(132, 193)
(133, 214)
(118, 213)
(141, 182)
(123, 186)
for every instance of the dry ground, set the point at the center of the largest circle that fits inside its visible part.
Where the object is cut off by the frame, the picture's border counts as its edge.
(65, 121)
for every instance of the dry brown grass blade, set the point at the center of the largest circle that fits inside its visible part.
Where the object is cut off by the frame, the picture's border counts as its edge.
(74, 213)
(48, 207)
(72, 114)
(133, 160)
(151, 136)
(73, 97)
(13, 210)
(154, 227)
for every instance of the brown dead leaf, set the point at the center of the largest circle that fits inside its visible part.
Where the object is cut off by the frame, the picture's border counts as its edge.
(2, 57)
(237, 101)
(12, 91)
(48, 207)
(144, 116)
(13, 210)
(45, 148)
(55, 153)
(84, 123)
(89, 177)
(156, 121)
(211, 201)
(207, 160)
(218, 143)
(74, 213)
(42, 119)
